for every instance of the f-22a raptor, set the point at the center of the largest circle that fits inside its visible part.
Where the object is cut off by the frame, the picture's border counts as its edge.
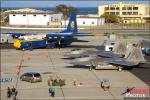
(132, 58)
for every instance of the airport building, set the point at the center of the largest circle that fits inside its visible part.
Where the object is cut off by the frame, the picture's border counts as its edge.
(45, 19)
(51, 19)
(87, 21)
(129, 13)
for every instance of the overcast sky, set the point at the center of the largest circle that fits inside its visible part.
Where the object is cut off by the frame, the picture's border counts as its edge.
(52, 3)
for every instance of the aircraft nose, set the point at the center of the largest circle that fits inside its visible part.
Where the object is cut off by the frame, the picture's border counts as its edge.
(17, 44)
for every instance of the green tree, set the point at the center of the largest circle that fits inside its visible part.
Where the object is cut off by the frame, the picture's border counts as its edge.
(110, 18)
(66, 10)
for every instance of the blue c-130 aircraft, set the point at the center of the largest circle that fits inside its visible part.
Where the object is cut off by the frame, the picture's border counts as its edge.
(52, 40)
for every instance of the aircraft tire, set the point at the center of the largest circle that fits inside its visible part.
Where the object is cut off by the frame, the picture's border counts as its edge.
(119, 69)
(23, 49)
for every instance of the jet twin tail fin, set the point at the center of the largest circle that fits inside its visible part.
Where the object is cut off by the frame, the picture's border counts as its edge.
(134, 54)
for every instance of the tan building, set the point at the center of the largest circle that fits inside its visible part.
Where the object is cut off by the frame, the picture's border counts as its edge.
(129, 13)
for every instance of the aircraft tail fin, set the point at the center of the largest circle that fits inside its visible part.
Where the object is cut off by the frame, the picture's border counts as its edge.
(72, 24)
(120, 47)
(134, 54)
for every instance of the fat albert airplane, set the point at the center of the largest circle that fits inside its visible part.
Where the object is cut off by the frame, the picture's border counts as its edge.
(52, 40)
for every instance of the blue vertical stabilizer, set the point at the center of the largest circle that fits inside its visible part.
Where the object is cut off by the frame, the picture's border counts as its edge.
(72, 24)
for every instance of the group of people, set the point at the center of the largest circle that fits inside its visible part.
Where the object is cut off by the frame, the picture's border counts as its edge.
(12, 92)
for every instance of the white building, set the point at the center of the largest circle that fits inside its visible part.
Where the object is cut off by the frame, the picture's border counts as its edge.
(87, 21)
(35, 19)
(51, 19)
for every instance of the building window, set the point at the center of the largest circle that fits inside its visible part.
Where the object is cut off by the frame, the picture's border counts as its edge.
(123, 13)
(14, 15)
(117, 13)
(34, 15)
(24, 15)
(106, 8)
(92, 22)
(124, 8)
(135, 8)
(83, 22)
(51, 18)
(135, 13)
(129, 13)
(56, 19)
(107, 13)
(112, 8)
(117, 8)
(112, 13)
(44, 15)
(129, 8)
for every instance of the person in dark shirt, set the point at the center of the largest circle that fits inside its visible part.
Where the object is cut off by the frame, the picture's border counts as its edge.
(9, 92)
(13, 90)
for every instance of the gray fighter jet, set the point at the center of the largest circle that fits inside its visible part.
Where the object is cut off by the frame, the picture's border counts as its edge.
(118, 50)
(132, 58)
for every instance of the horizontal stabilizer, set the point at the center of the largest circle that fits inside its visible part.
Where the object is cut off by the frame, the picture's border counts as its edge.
(123, 62)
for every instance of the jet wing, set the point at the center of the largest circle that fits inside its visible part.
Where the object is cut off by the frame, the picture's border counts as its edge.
(94, 61)
(76, 40)
(81, 52)
(16, 35)
(59, 34)
(69, 34)
(82, 34)
(122, 62)
(108, 54)
(101, 53)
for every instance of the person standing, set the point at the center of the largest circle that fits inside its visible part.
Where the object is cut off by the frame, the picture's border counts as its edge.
(30, 46)
(9, 92)
(16, 92)
(13, 90)
(53, 92)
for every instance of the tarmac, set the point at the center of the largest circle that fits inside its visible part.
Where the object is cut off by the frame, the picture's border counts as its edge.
(49, 62)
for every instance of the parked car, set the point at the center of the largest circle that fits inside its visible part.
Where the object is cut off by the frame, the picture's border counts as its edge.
(31, 77)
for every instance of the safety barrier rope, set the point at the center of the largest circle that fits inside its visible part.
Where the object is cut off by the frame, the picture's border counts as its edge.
(56, 74)
(100, 83)
(19, 69)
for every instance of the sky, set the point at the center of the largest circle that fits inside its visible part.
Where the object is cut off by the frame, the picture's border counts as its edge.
(74, 3)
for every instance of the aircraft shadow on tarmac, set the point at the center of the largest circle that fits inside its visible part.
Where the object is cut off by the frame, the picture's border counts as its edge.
(78, 66)
(87, 67)
(69, 58)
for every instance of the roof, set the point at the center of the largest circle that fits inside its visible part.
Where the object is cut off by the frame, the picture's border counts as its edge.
(28, 11)
(31, 73)
(35, 13)
(88, 17)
